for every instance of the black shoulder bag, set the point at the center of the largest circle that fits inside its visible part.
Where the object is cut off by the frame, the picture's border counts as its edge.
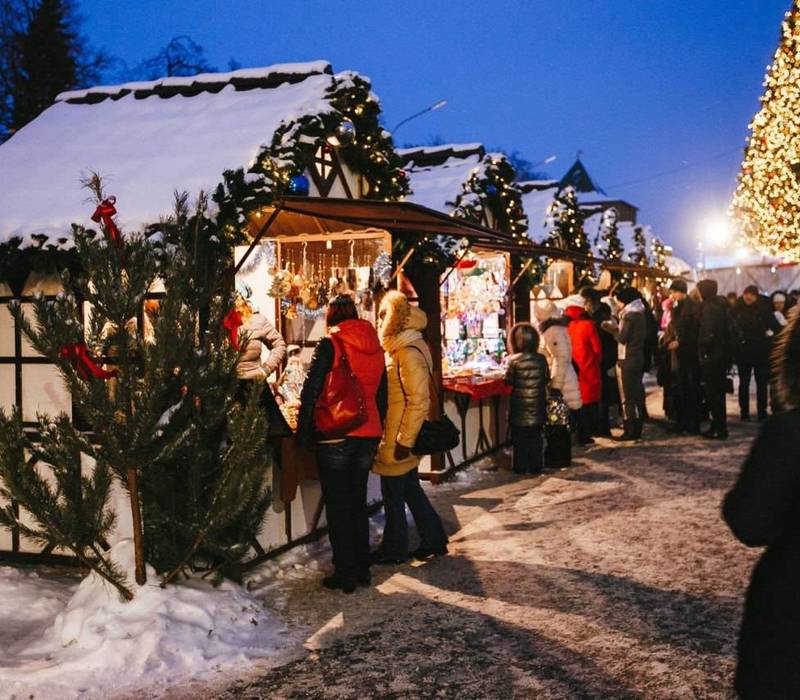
(435, 435)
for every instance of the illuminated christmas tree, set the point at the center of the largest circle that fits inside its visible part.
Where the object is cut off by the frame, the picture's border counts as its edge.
(766, 205)
(565, 226)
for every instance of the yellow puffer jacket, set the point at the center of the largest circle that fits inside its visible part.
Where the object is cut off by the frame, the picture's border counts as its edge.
(408, 361)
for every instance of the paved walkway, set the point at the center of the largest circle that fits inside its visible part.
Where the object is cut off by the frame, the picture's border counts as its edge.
(616, 578)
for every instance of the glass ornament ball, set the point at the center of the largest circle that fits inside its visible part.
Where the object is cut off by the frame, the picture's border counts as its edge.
(298, 185)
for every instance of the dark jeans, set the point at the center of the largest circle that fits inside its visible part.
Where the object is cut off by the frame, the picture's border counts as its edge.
(630, 374)
(687, 395)
(528, 445)
(399, 491)
(714, 377)
(587, 421)
(344, 470)
(761, 371)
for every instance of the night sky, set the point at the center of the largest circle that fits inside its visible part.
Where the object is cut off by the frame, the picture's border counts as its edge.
(656, 94)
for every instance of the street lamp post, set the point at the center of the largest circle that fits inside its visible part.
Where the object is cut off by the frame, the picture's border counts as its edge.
(432, 108)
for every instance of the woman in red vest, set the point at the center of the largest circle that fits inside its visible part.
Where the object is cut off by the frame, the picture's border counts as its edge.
(587, 353)
(344, 464)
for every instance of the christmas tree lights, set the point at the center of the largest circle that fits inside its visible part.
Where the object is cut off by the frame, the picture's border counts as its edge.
(766, 204)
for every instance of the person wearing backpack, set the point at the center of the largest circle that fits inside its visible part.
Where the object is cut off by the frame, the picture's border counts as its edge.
(528, 376)
(715, 351)
(344, 460)
(408, 370)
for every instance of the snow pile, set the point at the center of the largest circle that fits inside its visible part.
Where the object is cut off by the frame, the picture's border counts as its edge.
(99, 643)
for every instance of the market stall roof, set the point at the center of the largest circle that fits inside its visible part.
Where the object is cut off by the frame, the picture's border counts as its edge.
(291, 216)
(148, 139)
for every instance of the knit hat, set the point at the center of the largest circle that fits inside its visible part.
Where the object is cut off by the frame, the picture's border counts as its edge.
(679, 285)
(626, 295)
(707, 289)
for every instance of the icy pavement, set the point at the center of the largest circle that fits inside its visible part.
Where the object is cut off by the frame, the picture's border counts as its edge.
(616, 578)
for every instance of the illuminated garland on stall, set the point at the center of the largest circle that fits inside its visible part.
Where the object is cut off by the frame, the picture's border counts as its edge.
(352, 127)
(492, 187)
(766, 204)
(565, 225)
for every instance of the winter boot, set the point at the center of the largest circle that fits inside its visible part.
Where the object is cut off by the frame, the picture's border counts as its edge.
(628, 432)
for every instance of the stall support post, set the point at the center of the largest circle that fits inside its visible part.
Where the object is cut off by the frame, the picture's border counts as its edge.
(426, 282)
(521, 291)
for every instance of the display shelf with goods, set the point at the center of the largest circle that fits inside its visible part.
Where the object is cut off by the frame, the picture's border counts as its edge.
(475, 321)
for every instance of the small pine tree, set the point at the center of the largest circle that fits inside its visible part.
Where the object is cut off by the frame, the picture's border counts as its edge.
(174, 425)
(565, 224)
(639, 254)
(609, 244)
(659, 253)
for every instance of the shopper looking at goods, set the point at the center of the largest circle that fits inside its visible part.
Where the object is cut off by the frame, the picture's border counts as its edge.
(345, 444)
(587, 358)
(528, 376)
(408, 369)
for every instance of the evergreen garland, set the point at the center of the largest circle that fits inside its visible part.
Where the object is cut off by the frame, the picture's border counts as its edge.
(565, 224)
(369, 152)
(639, 254)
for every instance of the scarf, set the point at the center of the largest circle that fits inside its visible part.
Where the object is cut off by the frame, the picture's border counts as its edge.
(395, 342)
(635, 307)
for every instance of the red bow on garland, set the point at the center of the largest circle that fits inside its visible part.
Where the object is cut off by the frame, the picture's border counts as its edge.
(105, 210)
(82, 361)
(231, 323)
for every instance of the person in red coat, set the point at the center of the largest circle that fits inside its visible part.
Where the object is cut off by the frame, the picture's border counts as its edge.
(587, 353)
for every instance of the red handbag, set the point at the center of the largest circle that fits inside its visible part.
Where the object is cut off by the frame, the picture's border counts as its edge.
(341, 407)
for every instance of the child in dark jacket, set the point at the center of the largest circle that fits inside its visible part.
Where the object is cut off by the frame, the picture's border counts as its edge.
(528, 376)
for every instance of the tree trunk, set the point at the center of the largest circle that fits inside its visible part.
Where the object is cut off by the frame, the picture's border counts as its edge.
(136, 512)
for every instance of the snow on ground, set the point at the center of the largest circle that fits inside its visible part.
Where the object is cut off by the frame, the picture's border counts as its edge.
(69, 640)
(615, 578)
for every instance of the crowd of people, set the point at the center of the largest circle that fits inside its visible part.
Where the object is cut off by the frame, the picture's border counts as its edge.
(571, 371)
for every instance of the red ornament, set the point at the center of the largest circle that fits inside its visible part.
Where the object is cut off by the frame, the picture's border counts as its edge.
(231, 323)
(82, 361)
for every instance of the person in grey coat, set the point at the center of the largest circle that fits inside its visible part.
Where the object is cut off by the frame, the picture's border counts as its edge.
(528, 376)
(631, 334)
(256, 332)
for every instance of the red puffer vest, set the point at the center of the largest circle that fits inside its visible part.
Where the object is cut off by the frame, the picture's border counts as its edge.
(586, 352)
(365, 354)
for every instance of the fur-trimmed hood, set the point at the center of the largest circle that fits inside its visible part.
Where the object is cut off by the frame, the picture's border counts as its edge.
(396, 315)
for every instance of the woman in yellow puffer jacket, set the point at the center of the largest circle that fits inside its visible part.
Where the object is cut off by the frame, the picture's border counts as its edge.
(408, 368)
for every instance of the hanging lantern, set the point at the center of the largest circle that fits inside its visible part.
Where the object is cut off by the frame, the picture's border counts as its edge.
(298, 185)
(346, 132)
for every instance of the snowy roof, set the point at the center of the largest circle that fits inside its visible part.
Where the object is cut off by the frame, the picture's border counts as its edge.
(436, 185)
(677, 267)
(147, 144)
(536, 203)
(740, 258)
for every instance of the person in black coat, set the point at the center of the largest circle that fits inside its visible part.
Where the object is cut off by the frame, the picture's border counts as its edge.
(763, 509)
(685, 326)
(757, 325)
(528, 376)
(714, 355)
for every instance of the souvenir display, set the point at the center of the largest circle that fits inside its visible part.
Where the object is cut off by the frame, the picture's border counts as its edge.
(474, 317)
(289, 386)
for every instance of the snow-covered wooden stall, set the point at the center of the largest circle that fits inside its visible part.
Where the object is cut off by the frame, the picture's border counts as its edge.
(252, 133)
(476, 294)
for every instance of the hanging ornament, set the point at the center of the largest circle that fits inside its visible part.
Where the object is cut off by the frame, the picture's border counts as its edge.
(281, 284)
(346, 132)
(78, 356)
(382, 269)
(298, 185)
(491, 189)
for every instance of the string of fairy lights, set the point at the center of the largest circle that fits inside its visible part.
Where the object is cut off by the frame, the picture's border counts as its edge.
(766, 203)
